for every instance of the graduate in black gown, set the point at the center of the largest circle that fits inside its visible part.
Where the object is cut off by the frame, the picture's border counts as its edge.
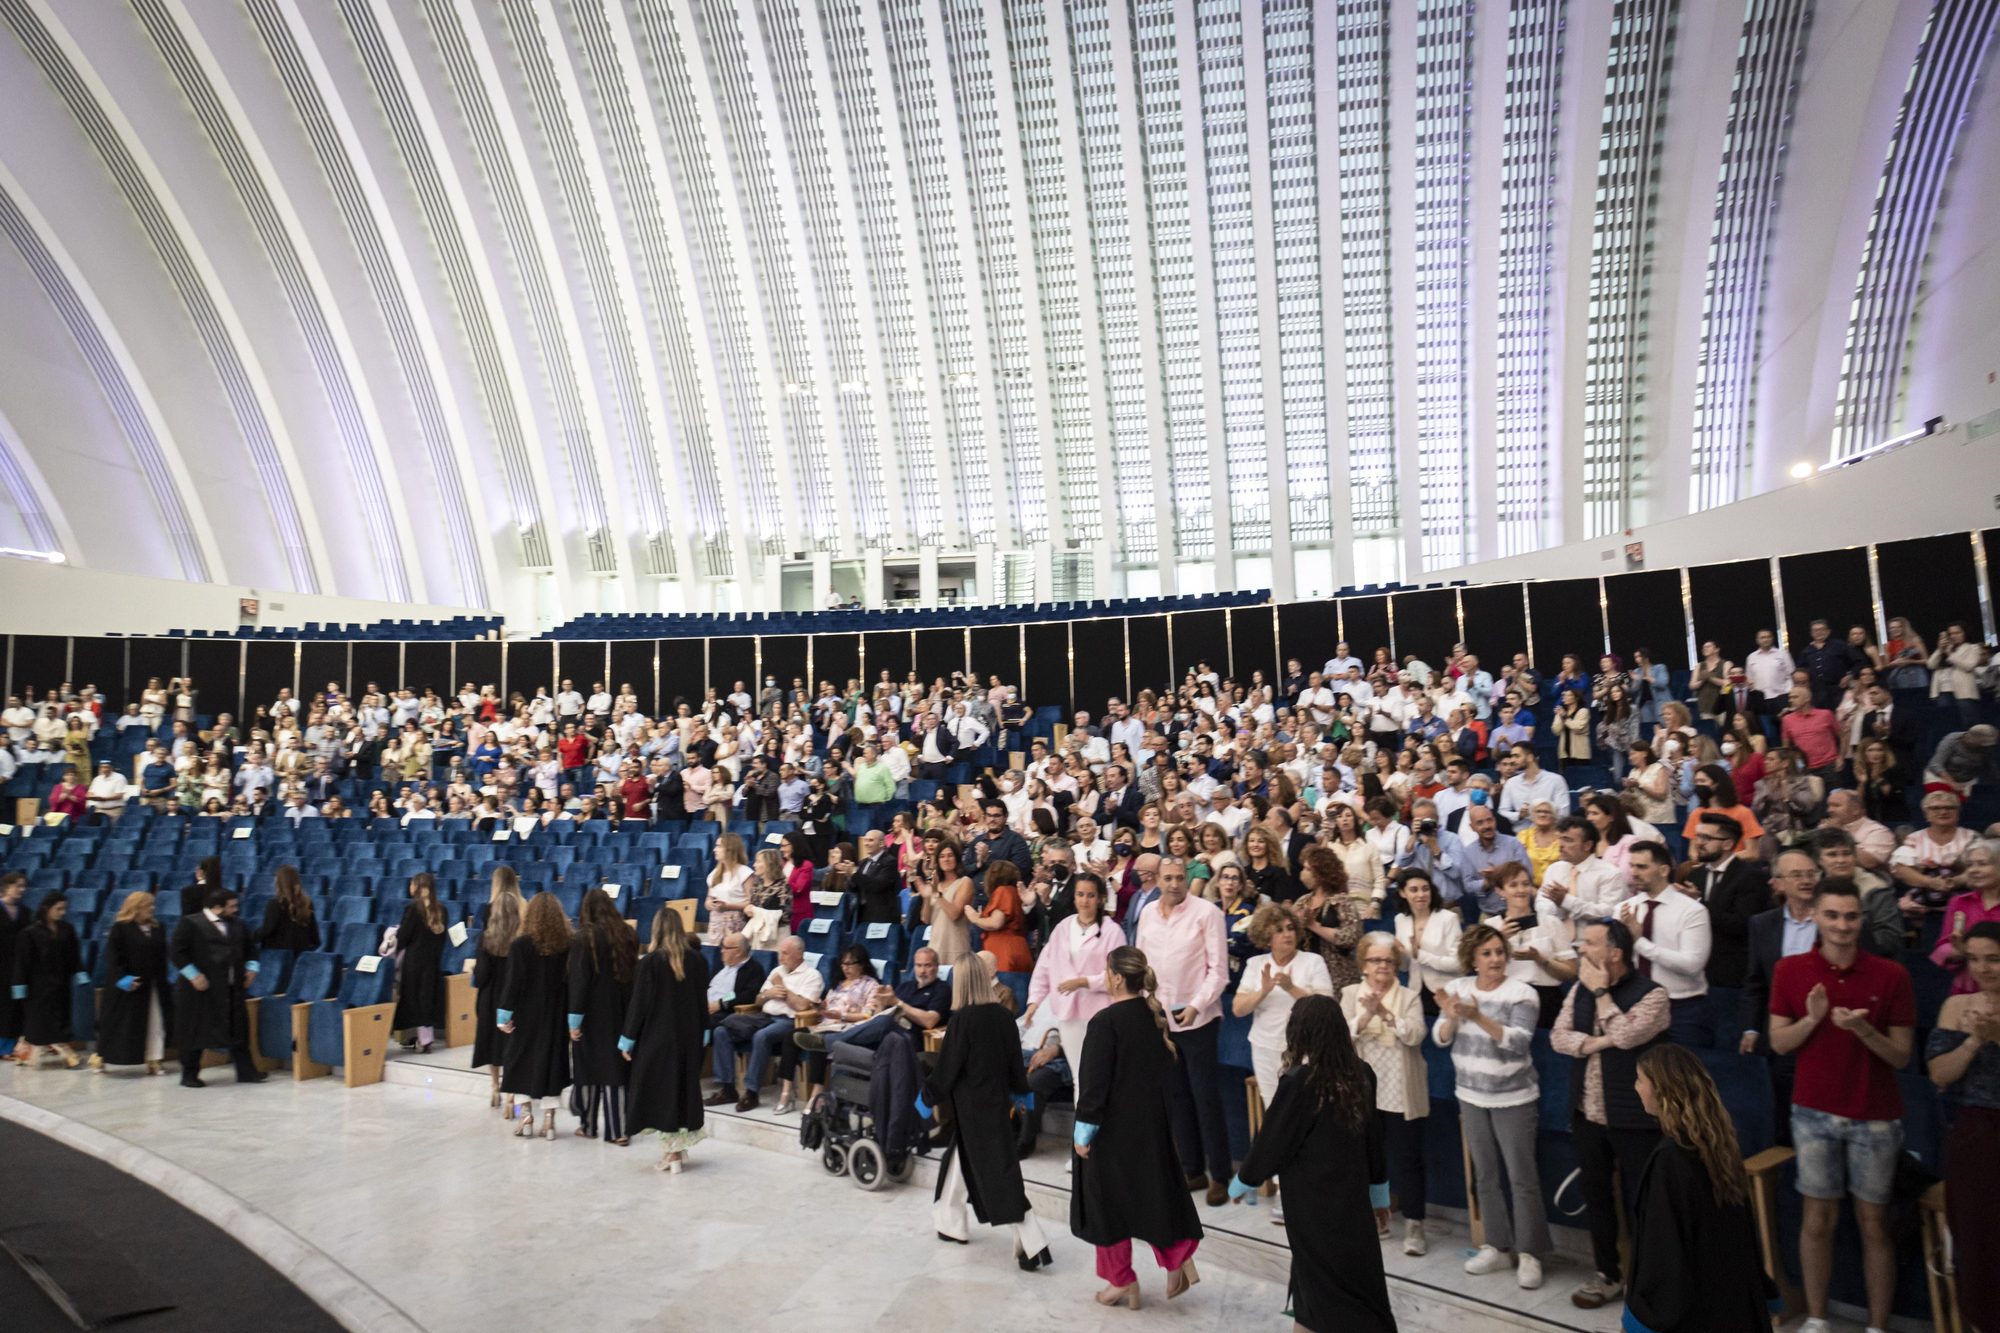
(489, 979)
(138, 1010)
(662, 1040)
(14, 918)
(1128, 1182)
(48, 961)
(977, 1076)
(533, 1012)
(420, 993)
(1696, 1263)
(207, 879)
(289, 922)
(214, 957)
(600, 991)
(1321, 1133)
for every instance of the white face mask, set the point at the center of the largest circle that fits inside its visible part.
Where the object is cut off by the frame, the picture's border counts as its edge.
(1729, 747)
(1672, 747)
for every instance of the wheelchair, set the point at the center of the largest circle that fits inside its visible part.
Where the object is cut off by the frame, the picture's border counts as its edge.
(841, 1126)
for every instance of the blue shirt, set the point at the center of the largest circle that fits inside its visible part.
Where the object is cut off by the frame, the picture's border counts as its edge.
(792, 796)
(1799, 936)
(1447, 868)
(157, 776)
(1478, 860)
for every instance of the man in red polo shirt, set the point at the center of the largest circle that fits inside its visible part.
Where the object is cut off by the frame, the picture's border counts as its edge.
(573, 749)
(1851, 1017)
(1814, 733)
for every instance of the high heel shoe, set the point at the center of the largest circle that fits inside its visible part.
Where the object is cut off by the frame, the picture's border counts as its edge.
(495, 1103)
(69, 1058)
(549, 1127)
(1113, 1295)
(524, 1126)
(96, 1064)
(153, 1067)
(674, 1167)
(1030, 1262)
(1181, 1279)
(511, 1111)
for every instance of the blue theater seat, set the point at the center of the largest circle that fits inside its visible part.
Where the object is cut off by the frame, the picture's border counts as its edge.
(341, 1036)
(312, 977)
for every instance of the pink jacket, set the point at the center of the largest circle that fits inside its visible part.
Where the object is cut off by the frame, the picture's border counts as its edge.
(1073, 952)
(800, 883)
(1975, 911)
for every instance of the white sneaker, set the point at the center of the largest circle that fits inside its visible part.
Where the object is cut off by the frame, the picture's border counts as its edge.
(1529, 1274)
(1413, 1239)
(1815, 1326)
(1278, 1212)
(1488, 1260)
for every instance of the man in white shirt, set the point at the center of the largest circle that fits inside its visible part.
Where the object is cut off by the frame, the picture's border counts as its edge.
(255, 775)
(1579, 885)
(1478, 684)
(1316, 700)
(108, 791)
(408, 707)
(598, 705)
(1769, 670)
(415, 807)
(933, 749)
(1341, 662)
(20, 719)
(569, 704)
(791, 987)
(739, 699)
(1126, 728)
(1356, 687)
(967, 733)
(298, 809)
(1057, 776)
(1672, 936)
(1533, 783)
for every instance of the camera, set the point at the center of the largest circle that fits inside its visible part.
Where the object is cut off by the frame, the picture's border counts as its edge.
(1426, 827)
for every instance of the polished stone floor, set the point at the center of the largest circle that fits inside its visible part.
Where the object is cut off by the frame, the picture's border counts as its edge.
(422, 1194)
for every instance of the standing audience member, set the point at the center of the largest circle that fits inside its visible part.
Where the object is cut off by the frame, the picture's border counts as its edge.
(1783, 931)
(1852, 1019)
(48, 963)
(215, 957)
(1184, 940)
(1388, 1024)
(1671, 940)
(1581, 885)
(1541, 946)
(1964, 1051)
(420, 995)
(14, 919)
(1428, 934)
(1614, 1015)
(1069, 975)
(601, 958)
(531, 1012)
(662, 1037)
(1273, 983)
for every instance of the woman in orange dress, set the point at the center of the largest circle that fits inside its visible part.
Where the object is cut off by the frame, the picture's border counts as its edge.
(1003, 922)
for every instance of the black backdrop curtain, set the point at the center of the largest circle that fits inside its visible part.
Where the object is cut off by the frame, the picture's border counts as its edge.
(1731, 603)
(478, 666)
(1645, 612)
(1426, 624)
(268, 669)
(1048, 668)
(1199, 637)
(785, 659)
(100, 662)
(1308, 631)
(632, 664)
(427, 666)
(1930, 582)
(215, 666)
(680, 675)
(39, 662)
(1099, 647)
(939, 653)
(1367, 622)
(1826, 585)
(1149, 657)
(530, 667)
(1496, 625)
(1254, 643)
(836, 660)
(731, 660)
(996, 651)
(888, 650)
(151, 659)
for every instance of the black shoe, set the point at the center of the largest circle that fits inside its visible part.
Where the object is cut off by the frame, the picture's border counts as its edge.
(193, 1083)
(1198, 1182)
(952, 1240)
(254, 1076)
(425, 1050)
(1030, 1262)
(720, 1097)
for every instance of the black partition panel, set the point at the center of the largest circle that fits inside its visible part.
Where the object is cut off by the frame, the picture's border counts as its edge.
(632, 664)
(1991, 537)
(1645, 612)
(1048, 668)
(1426, 624)
(427, 666)
(152, 659)
(1308, 631)
(100, 662)
(1099, 663)
(580, 661)
(1929, 582)
(996, 651)
(478, 665)
(1826, 585)
(680, 675)
(1367, 626)
(1199, 636)
(215, 665)
(785, 659)
(375, 664)
(531, 666)
(731, 660)
(1566, 620)
(887, 650)
(1496, 625)
(1149, 655)
(39, 663)
(1254, 638)
(267, 668)
(939, 653)
(1731, 603)
(836, 660)
(323, 662)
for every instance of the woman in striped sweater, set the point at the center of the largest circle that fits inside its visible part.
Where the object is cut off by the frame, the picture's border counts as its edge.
(1488, 1020)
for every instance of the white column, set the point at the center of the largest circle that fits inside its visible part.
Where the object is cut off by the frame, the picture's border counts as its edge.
(1257, 113)
(927, 576)
(1200, 237)
(1333, 315)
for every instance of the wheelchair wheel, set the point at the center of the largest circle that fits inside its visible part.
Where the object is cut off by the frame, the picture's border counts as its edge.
(900, 1170)
(865, 1165)
(834, 1158)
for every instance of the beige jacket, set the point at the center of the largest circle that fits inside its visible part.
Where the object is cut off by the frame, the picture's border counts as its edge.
(1406, 1035)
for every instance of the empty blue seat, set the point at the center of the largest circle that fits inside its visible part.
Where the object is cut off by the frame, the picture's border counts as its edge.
(354, 940)
(312, 977)
(274, 970)
(325, 1039)
(350, 908)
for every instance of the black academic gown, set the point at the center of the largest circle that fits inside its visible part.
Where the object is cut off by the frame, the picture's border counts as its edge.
(281, 930)
(420, 997)
(133, 951)
(537, 993)
(596, 993)
(665, 1021)
(1328, 1165)
(12, 924)
(46, 961)
(1696, 1264)
(216, 1018)
(489, 979)
(1131, 1186)
(976, 1076)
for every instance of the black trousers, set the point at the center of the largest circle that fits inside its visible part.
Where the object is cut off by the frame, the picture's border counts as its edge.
(1200, 1131)
(1403, 1145)
(1599, 1151)
(930, 772)
(246, 1065)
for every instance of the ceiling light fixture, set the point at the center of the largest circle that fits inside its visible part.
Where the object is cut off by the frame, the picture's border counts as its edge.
(1802, 470)
(46, 557)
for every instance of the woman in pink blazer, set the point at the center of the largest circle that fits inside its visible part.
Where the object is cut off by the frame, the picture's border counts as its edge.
(1070, 973)
(799, 879)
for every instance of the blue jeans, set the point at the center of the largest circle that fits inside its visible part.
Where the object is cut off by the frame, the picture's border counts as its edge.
(761, 1034)
(1839, 1156)
(868, 1034)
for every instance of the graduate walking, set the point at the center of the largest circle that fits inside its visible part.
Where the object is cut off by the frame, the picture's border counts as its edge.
(600, 991)
(662, 1040)
(214, 957)
(139, 999)
(48, 961)
(533, 1012)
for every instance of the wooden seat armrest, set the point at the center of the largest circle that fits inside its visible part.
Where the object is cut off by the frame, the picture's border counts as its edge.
(1768, 1160)
(747, 1008)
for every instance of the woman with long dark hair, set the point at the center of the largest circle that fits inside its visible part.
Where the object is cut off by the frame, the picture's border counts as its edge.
(662, 1039)
(138, 1003)
(1322, 1134)
(600, 991)
(46, 962)
(489, 975)
(289, 922)
(1128, 1182)
(207, 875)
(419, 965)
(533, 1009)
(1696, 1265)
(798, 871)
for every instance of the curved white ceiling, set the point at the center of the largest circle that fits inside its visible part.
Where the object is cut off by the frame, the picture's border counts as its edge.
(417, 300)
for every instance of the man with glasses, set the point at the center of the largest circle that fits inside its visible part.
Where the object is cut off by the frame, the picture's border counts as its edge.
(1733, 890)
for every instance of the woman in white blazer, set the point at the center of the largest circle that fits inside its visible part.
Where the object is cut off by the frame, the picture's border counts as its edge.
(1428, 931)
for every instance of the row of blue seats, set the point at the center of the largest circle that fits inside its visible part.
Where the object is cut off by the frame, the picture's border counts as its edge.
(662, 625)
(457, 628)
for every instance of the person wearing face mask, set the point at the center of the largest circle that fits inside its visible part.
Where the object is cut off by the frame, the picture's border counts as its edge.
(1715, 792)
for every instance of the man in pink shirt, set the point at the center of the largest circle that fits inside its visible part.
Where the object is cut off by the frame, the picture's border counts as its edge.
(1814, 733)
(1186, 944)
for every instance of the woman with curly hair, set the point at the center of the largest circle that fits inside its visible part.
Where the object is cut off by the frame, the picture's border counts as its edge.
(1322, 1134)
(1331, 916)
(1695, 1257)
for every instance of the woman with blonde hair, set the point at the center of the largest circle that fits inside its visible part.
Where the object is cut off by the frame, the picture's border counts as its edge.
(534, 1012)
(139, 998)
(663, 1038)
(419, 961)
(1387, 1020)
(728, 889)
(489, 975)
(1696, 1262)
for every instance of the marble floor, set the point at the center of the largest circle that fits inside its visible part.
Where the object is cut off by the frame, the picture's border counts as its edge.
(419, 1191)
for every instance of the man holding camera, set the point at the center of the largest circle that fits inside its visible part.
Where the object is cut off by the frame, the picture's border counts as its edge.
(1434, 851)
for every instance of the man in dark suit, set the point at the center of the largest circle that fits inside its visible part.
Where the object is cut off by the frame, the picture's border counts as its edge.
(875, 884)
(1733, 890)
(1119, 807)
(1782, 931)
(215, 957)
(1901, 727)
(742, 984)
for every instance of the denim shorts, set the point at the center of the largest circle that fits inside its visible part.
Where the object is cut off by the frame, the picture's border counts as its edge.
(1839, 1157)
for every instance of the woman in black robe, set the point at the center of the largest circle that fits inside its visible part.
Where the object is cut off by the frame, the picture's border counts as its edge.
(600, 991)
(139, 996)
(1128, 1180)
(489, 979)
(14, 918)
(816, 820)
(977, 1076)
(1322, 1135)
(289, 922)
(47, 962)
(664, 1026)
(1696, 1263)
(533, 1011)
(420, 965)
